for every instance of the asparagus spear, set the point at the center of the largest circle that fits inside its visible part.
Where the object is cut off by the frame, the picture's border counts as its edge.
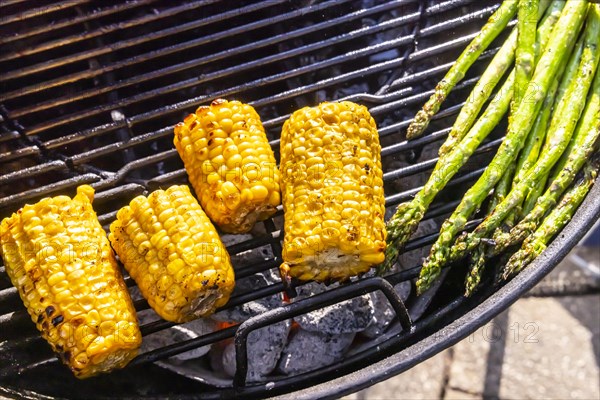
(583, 145)
(525, 60)
(533, 145)
(535, 139)
(489, 79)
(524, 66)
(536, 243)
(478, 258)
(563, 33)
(563, 124)
(408, 215)
(526, 57)
(525, 63)
(488, 33)
(571, 69)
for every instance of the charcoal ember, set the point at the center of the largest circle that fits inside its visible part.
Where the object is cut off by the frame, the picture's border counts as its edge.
(264, 347)
(308, 350)
(230, 240)
(386, 35)
(244, 311)
(413, 258)
(135, 293)
(384, 313)
(253, 256)
(349, 91)
(348, 316)
(177, 334)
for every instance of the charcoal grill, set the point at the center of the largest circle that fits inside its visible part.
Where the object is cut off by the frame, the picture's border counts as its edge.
(92, 89)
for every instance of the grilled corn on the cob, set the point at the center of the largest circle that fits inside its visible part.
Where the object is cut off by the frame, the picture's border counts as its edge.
(332, 192)
(58, 257)
(173, 252)
(230, 164)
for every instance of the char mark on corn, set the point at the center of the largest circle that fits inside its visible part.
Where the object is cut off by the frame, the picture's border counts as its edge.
(332, 186)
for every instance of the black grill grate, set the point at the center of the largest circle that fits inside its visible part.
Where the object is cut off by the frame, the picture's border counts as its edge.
(90, 92)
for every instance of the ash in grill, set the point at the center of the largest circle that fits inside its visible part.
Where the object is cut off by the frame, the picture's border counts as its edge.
(90, 92)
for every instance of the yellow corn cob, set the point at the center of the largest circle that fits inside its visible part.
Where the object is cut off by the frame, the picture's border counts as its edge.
(173, 252)
(230, 164)
(58, 257)
(332, 189)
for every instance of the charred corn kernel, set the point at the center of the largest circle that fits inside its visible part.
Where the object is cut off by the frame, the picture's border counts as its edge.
(184, 272)
(69, 280)
(332, 187)
(225, 151)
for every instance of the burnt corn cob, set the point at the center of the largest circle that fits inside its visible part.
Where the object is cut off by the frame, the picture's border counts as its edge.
(58, 257)
(173, 252)
(332, 187)
(230, 164)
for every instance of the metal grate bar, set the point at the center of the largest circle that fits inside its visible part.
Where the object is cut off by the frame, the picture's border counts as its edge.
(57, 62)
(36, 12)
(107, 29)
(6, 3)
(184, 65)
(33, 171)
(426, 165)
(7, 136)
(19, 153)
(446, 6)
(40, 191)
(184, 346)
(408, 194)
(452, 23)
(70, 138)
(36, 129)
(251, 269)
(103, 12)
(136, 141)
(139, 163)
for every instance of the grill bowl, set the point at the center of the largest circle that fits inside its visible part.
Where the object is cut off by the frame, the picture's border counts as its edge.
(90, 93)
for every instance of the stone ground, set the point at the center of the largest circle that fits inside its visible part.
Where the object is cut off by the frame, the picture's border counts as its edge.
(540, 348)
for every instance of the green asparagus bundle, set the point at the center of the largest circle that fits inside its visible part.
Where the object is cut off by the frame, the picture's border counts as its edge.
(563, 123)
(528, 156)
(582, 147)
(533, 145)
(408, 215)
(524, 66)
(488, 33)
(491, 76)
(536, 243)
(564, 33)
